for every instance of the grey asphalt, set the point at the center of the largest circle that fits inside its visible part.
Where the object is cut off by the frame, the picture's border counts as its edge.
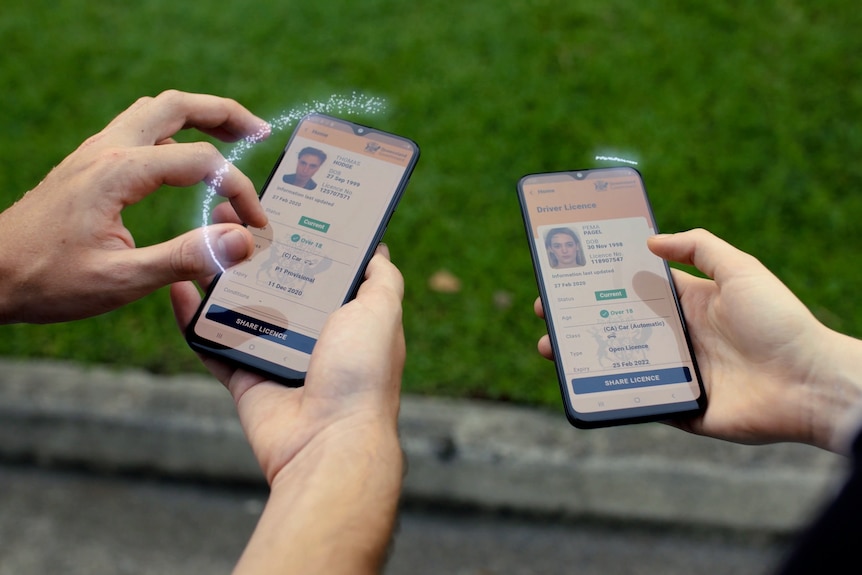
(110, 471)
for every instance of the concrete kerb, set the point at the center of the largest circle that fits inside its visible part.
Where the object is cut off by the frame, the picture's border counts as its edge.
(482, 454)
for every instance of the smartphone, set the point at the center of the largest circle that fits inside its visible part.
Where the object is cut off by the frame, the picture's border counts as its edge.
(621, 347)
(329, 199)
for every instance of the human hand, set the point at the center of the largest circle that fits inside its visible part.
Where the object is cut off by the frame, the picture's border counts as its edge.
(64, 251)
(329, 449)
(771, 370)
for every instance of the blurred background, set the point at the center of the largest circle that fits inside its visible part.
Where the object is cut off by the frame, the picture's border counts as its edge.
(744, 118)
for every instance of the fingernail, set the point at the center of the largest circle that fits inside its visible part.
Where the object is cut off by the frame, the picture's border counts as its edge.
(232, 247)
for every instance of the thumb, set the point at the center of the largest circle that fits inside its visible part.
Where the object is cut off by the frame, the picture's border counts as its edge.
(193, 255)
(707, 252)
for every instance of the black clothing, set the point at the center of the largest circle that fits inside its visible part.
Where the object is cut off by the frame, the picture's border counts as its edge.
(291, 179)
(830, 544)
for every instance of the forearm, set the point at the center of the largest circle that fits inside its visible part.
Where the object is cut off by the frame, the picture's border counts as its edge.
(331, 509)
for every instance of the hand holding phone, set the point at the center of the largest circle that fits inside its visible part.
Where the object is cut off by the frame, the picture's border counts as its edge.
(620, 343)
(328, 200)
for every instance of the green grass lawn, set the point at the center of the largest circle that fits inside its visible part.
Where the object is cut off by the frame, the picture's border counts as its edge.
(744, 118)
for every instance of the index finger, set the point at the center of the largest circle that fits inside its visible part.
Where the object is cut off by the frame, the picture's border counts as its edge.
(152, 120)
(145, 169)
(538, 308)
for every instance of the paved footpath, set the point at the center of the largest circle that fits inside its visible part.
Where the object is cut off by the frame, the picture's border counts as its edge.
(75, 522)
(473, 467)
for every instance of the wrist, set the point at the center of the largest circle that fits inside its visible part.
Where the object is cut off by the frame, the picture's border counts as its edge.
(22, 299)
(835, 394)
(22, 265)
(332, 507)
(8, 287)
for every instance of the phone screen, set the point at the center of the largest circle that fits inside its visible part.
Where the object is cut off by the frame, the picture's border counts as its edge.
(621, 346)
(328, 200)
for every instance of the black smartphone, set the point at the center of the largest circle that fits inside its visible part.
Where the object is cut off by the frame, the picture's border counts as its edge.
(621, 347)
(329, 199)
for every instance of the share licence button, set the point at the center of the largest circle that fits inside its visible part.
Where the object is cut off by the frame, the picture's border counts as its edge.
(262, 329)
(632, 379)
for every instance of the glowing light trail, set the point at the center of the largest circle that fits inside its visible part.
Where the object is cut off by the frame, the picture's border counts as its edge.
(616, 159)
(336, 104)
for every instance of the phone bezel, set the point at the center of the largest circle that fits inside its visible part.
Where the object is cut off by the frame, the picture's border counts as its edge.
(641, 414)
(283, 373)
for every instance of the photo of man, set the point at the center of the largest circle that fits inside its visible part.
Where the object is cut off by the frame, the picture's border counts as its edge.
(308, 162)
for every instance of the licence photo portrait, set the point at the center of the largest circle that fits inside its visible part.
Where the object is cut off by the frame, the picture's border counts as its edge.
(564, 248)
(308, 161)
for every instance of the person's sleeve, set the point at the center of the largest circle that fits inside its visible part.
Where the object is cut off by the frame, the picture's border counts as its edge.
(832, 544)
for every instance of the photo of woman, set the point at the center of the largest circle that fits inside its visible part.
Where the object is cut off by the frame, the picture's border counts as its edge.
(564, 248)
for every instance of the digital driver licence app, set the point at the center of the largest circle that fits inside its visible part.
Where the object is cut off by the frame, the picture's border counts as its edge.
(618, 334)
(325, 202)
